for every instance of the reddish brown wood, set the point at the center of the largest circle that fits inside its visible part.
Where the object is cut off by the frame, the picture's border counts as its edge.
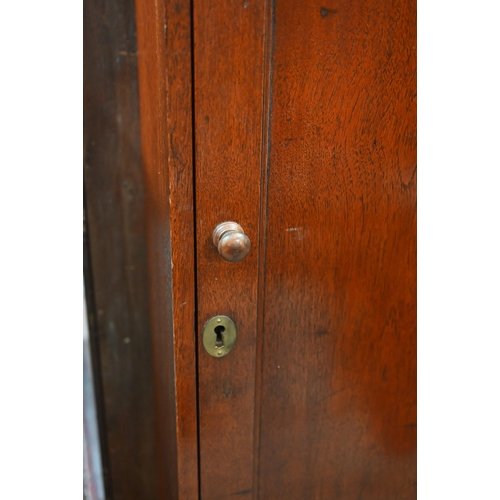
(336, 396)
(228, 68)
(317, 399)
(164, 41)
(338, 402)
(115, 263)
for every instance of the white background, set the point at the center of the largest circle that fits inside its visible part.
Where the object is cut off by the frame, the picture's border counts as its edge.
(41, 250)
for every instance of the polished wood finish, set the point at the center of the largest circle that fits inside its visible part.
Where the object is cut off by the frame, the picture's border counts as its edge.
(228, 79)
(333, 301)
(302, 119)
(338, 401)
(116, 269)
(164, 41)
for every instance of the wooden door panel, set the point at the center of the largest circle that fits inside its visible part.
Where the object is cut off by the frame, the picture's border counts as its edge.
(228, 77)
(338, 383)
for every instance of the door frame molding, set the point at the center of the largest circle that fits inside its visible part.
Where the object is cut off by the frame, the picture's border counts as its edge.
(165, 88)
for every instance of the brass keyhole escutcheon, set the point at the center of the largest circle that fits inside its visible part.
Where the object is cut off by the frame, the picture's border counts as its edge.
(219, 336)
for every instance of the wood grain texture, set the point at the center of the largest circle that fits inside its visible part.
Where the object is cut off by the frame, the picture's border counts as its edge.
(164, 40)
(116, 267)
(229, 72)
(338, 382)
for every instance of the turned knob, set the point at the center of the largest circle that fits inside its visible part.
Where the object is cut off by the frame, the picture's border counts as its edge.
(231, 241)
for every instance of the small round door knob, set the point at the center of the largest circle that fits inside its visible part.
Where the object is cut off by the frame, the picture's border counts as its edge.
(231, 241)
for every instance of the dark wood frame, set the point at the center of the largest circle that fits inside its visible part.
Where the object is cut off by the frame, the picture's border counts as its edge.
(164, 36)
(145, 381)
(116, 277)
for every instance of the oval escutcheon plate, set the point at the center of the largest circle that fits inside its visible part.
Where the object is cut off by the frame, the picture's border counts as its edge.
(219, 336)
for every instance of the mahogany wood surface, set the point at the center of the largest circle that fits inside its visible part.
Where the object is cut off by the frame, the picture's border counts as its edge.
(338, 382)
(164, 42)
(327, 321)
(115, 264)
(304, 134)
(228, 101)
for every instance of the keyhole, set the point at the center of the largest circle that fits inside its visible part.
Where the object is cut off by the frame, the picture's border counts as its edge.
(219, 341)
